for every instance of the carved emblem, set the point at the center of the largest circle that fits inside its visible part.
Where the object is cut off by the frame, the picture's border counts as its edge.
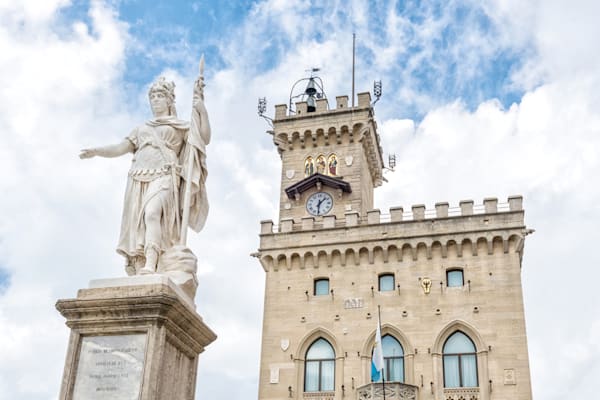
(348, 160)
(285, 344)
(290, 173)
(509, 377)
(426, 285)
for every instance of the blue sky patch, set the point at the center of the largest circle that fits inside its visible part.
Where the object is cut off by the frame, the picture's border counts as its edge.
(449, 51)
(4, 280)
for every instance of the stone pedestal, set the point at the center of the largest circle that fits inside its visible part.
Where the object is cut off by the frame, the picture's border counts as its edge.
(135, 338)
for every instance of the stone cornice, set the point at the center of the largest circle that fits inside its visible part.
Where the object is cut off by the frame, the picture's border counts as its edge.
(141, 307)
(316, 180)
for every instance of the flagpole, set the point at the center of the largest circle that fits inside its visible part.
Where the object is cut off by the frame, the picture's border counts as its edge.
(382, 369)
(185, 218)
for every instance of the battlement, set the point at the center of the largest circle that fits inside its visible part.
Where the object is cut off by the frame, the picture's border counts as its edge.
(470, 230)
(341, 107)
(418, 212)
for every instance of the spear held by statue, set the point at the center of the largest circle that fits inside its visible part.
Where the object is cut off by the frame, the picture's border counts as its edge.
(194, 167)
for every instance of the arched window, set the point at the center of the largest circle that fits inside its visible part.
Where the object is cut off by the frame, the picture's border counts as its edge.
(319, 368)
(460, 361)
(393, 359)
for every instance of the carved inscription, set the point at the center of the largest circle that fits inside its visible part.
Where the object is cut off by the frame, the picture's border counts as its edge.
(110, 367)
(354, 303)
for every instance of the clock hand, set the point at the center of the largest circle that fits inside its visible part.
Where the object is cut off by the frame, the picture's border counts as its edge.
(319, 205)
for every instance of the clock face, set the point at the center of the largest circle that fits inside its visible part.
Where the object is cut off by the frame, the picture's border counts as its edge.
(319, 203)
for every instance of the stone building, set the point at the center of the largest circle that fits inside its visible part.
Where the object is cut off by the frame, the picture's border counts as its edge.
(447, 281)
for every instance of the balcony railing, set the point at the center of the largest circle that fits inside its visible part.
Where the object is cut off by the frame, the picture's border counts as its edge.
(393, 391)
(319, 395)
(461, 393)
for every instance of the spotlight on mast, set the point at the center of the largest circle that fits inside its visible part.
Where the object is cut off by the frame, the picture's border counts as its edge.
(262, 109)
(376, 91)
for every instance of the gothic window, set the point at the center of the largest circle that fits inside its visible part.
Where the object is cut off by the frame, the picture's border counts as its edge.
(386, 282)
(460, 361)
(454, 277)
(309, 167)
(393, 359)
(332, 163)
(321, 287)
(319, 367)
(321, 164)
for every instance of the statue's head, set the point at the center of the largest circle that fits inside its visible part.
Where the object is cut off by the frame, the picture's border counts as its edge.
(162, 89)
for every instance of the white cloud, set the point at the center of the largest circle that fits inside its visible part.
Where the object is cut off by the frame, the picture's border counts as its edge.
(55, 90)
(31, 11)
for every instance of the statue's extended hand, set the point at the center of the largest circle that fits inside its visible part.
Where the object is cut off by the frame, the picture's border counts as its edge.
(88, 153)
(198, 92)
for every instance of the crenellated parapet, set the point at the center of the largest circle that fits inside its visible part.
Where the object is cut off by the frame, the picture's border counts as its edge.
(327, 126)
(467, 230)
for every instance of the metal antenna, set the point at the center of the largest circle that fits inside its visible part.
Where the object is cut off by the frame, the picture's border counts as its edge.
(312, 71)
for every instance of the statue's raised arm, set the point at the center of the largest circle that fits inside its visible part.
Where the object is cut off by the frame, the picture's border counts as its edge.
(165, 190)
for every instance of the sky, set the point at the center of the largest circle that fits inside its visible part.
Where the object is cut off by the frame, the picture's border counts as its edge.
(480, 99)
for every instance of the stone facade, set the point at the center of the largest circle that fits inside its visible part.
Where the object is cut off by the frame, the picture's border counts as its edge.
(353, 245)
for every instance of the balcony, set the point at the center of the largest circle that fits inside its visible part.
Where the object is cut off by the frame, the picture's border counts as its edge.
(461, 393)
(393, 391)
(318, 395)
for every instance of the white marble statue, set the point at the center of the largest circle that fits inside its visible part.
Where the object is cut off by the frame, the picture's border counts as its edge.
(166, 190)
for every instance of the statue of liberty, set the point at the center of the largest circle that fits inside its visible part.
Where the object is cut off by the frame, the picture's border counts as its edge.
(166, 189)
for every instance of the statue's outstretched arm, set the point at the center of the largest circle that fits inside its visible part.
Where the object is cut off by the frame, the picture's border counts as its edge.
(113, 150)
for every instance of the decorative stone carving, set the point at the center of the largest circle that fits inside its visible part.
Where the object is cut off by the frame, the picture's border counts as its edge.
(393, 391)
(319, 395)
(510, 377)
(354, 303)
(461, 394)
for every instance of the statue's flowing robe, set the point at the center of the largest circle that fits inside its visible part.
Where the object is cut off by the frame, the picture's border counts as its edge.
(161, 150)
(198, 138)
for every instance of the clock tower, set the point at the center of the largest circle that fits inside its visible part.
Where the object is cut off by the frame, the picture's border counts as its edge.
(445, 281)
(331, 159)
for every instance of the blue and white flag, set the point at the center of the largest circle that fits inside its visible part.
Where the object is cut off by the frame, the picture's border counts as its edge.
(377, 360)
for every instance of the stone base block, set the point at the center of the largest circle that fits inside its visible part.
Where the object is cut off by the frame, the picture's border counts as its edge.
(132, 338)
